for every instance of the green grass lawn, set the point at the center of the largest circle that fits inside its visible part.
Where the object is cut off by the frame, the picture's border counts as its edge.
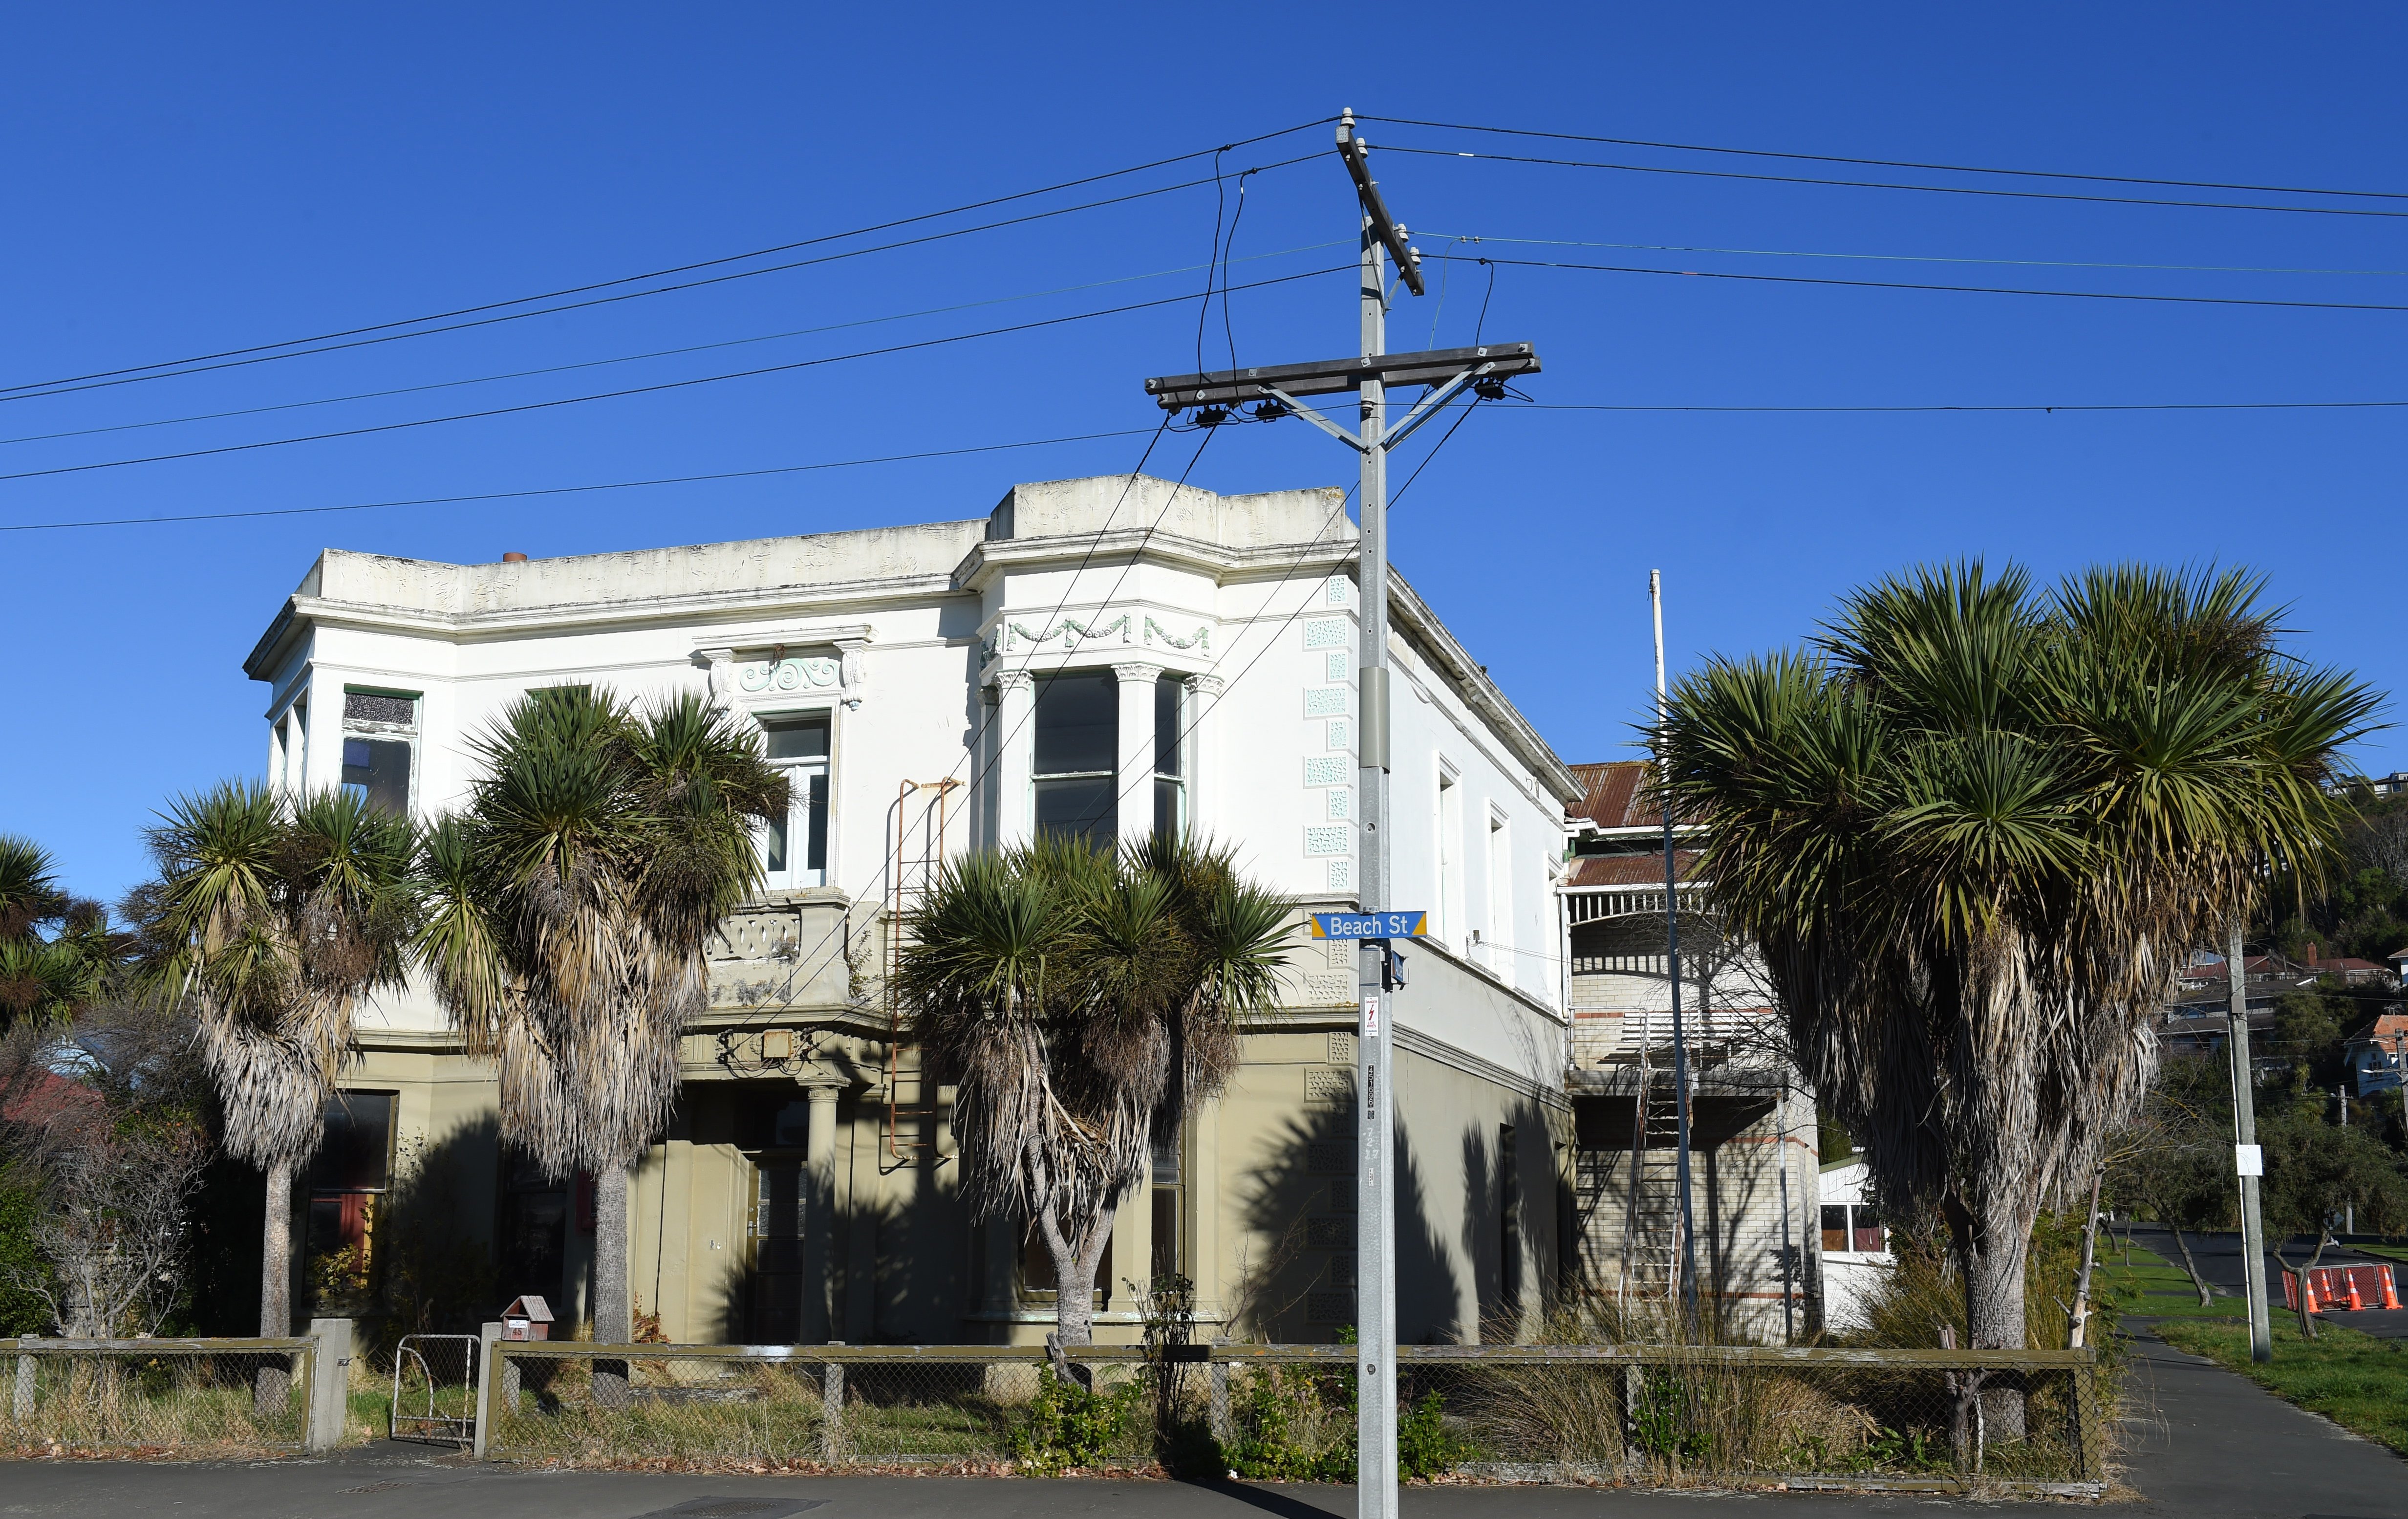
(2355, 1380)
(2141, 1287)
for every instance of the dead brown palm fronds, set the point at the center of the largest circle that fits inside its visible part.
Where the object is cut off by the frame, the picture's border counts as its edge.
(1083, 1004)
(570, 909)
(280, 914)
(1977, 833)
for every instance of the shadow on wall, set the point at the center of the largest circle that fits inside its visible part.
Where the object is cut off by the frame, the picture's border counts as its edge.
(895, 1261)
(1513, 1201)
(1294, 1278)
(222, 1267)
(433, 1253)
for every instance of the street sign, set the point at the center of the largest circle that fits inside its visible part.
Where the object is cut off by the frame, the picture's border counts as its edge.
(1371, 925)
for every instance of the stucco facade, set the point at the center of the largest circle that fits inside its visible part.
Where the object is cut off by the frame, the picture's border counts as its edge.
(806, 1187)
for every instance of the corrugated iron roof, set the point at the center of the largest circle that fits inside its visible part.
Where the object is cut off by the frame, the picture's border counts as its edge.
(1630, 869)
(1611, 794)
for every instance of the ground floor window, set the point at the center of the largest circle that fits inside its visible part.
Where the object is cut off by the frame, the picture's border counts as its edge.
(1853, 1227)
(346, 1179)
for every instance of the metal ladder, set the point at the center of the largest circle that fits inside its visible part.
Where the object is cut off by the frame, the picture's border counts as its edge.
(915, 855)
(1651, 1238)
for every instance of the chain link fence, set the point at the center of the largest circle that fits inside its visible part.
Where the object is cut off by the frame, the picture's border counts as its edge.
(183, 1395)
(1513, 1413)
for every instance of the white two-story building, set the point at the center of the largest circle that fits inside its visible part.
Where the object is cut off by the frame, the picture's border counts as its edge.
(1100, 657)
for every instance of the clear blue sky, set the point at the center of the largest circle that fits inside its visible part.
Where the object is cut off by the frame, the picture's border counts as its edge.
(182, 181)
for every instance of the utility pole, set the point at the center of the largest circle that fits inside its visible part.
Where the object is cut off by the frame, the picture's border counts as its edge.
(1680, 1039)
(1274, 392)
(2248, 1160)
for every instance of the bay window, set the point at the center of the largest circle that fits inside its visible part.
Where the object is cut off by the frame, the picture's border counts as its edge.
(1077, 744)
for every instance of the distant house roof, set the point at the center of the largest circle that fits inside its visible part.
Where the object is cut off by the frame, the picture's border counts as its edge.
(2391, 1025)
(1611, 794)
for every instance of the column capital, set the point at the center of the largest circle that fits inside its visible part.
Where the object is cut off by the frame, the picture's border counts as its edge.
(1209, 685)
(1137, 669)
(1007, 680)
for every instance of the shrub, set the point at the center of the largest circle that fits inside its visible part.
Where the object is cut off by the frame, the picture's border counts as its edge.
(1069, 1426)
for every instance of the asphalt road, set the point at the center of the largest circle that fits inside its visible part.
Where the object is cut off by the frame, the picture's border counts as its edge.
(2218, 1254)
(2200, 1443)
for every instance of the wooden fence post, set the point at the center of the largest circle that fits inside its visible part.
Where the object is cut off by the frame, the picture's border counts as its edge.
(832, 1410)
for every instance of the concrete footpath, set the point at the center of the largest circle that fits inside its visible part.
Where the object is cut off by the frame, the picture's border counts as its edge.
(2200, 1443)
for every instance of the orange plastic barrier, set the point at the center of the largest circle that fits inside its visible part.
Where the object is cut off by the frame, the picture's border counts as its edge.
(2342, 1288)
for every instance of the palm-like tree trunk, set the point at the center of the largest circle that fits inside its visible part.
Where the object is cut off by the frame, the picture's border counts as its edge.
(613, 1319)
(275, 1255)
(1992, 1246)
(275, 1282)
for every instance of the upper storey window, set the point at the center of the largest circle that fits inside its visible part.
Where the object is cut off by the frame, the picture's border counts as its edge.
(1077, 740)
(380, 748)
(794, 848)
(1169, 755)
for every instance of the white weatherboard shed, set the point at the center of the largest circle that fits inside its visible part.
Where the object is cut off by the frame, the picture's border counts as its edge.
(1094, 655)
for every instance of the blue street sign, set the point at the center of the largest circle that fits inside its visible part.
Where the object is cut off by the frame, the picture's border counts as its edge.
(1371, 925)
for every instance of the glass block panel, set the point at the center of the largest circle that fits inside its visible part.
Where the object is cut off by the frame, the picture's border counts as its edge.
(369, 707)
(1327, 770)
(795, 737)
(1078, 722)
(1324, 701)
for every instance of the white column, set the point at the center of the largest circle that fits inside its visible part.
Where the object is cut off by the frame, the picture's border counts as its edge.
(819, 1222)
(1015, 758)
(321, 755)
(1136, 787)
(1204, 753)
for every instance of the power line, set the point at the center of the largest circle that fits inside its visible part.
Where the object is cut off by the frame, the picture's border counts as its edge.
(648, 390)
(567, 490)
(1134, 432)
(632, 358)
(1912, 258)
(1890, 184)
(2030, 406)
(711, 262)
(63, 389)
(1893, 163)
(1968, 290)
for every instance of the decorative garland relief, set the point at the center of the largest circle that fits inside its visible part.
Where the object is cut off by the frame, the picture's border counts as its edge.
(1070, 632)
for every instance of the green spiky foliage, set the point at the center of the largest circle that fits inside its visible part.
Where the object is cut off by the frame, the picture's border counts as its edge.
(1976, 830)
(281, 912)
(1083, 1004)
(42, 975)
(570, 908)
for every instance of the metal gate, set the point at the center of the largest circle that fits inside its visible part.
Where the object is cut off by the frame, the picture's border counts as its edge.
(435, 1389)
